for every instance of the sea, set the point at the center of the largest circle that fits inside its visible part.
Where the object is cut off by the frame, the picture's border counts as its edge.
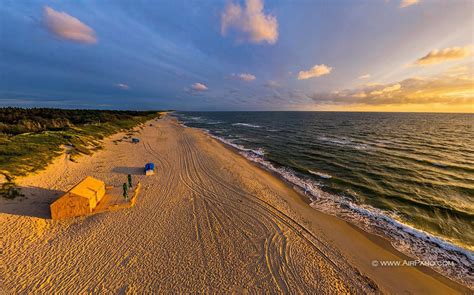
(408, 177)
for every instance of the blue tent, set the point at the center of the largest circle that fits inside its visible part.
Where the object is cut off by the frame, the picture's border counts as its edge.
(149, 166)
(135, 140)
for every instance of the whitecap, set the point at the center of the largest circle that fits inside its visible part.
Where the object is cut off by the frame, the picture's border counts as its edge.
(412, 241)
(320, 174)
(246, 125)
(405, 238)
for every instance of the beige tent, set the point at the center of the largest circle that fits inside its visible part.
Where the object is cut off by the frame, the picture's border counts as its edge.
(80, 200)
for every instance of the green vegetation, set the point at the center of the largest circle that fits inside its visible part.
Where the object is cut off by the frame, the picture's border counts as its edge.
(8, 189)
(31, 138)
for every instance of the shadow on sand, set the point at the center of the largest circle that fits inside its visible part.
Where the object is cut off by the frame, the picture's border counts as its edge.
(129, 170)
(35, 202)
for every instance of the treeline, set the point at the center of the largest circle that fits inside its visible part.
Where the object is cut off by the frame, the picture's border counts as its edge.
(15, 121)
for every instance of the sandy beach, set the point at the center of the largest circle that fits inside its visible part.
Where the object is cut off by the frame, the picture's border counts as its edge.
(207, 221)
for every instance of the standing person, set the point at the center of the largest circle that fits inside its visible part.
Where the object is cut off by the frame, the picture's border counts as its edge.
(130, 180)
(125, 191)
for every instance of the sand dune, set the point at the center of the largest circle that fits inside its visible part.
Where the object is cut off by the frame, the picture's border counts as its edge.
(207, 221)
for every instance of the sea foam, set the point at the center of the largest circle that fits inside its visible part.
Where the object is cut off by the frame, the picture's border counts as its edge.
(246, 125)
(404, 237)
(320, 174)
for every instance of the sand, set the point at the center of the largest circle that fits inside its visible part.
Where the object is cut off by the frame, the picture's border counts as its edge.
(207, 221)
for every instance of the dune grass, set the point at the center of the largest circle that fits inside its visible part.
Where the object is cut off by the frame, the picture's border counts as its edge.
(24, 153)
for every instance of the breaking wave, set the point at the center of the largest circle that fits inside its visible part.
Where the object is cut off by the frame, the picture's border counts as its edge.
(405, 238)
(384, 173)
(246, 125)
(320, 174)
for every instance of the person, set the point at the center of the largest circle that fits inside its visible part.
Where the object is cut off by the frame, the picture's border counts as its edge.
(125, 191)
(130, 180)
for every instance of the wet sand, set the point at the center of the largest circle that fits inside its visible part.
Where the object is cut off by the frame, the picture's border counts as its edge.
(207, 221)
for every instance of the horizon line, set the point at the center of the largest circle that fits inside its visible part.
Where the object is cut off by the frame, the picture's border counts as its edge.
(247, 111)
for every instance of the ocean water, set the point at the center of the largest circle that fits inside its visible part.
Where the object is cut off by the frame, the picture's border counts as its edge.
(406, 176)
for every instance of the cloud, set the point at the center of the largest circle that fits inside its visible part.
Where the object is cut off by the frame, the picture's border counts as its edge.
(361, 94)
(406, 3)
(453, 86)
(250, 21)
(373, 84)
(448, 54)
(316, 71)
(386, 89)
(67, 27)
(272, 84)
(366, 76)
(199, 87)
(122, 86)
(245, 77)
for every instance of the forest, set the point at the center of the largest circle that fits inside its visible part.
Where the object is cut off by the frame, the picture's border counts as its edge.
(15, 121)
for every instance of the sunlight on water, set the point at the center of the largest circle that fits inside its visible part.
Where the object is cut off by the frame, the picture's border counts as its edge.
(409, 176)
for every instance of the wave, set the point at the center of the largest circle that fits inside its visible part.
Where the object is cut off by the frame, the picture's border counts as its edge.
(320, 174)
(438, 164)
(211, 122)
(198, 119)
(404, 237)
(344, 141)
(246, 125)
(230, 142)
(334, 140)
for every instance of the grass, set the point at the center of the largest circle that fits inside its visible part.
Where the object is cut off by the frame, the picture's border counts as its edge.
(9, 190)
(30, 152)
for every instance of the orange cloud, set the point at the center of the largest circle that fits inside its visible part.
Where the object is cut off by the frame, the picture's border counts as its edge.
(453, 87)
(406, 3)
(67, 27)
(199, 87)
(315, 71)
(391, 88)
(448, 54)
(251, 21)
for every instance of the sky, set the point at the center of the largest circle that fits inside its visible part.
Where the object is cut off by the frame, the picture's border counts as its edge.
(249, 55)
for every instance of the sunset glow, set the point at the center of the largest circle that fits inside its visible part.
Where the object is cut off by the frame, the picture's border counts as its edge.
(413, 56)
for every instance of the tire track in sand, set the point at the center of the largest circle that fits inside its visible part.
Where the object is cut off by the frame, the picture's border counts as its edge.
(273, 264)
(273, 212)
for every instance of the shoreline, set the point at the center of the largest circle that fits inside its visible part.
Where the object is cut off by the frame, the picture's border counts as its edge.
(339, 196)
(213, 203)
(379, 239)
